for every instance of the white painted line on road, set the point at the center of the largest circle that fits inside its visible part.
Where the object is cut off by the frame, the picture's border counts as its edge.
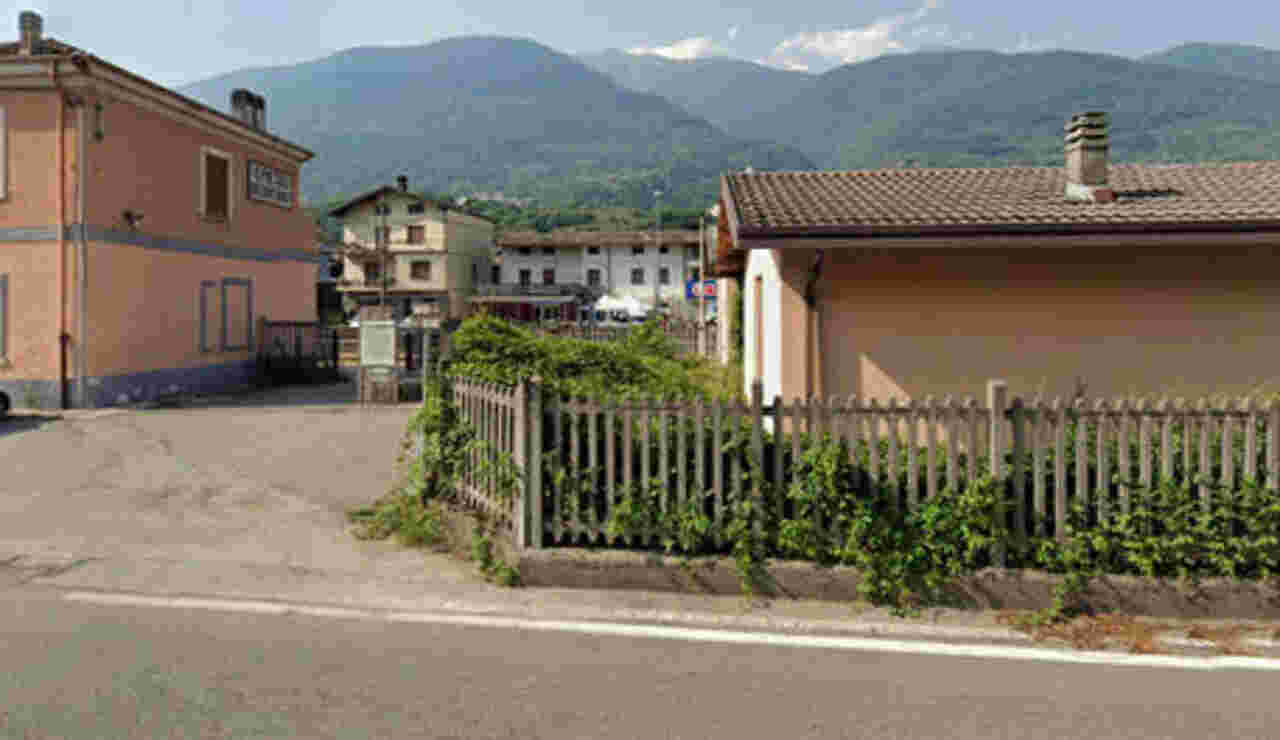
(770, 639)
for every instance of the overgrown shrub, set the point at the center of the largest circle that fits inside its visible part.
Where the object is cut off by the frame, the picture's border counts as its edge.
(489, 349)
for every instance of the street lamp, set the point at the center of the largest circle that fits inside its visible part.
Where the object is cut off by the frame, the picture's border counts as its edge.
(657, 201)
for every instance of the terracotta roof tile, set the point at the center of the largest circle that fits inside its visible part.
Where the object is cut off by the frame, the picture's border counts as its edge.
(868, 202)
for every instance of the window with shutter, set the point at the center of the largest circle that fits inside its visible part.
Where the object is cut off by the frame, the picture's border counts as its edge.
(216, 187)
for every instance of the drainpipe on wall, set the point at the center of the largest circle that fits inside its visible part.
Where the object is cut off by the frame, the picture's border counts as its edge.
(813, 333)
(60, 158)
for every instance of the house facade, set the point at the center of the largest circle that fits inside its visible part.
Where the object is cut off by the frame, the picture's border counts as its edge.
(1090, 279)
(142, 234)
(434, 260)
(651, 267)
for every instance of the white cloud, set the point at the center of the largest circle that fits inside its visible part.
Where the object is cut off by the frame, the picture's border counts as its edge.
(733, 33)
(1027, 44)
(691, 48)
(848, 45)
(784, 64)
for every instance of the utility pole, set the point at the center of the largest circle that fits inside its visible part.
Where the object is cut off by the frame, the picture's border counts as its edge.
(702, 284)
(384, 236)
(657, 199)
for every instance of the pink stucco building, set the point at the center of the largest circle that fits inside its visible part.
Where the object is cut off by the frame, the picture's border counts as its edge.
(142, 234)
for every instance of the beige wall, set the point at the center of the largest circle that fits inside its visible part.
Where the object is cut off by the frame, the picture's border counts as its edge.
(144, 305)
(1124, 321)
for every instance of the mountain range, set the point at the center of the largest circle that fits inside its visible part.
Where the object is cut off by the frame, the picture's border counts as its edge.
(489, 113)
(483, 113)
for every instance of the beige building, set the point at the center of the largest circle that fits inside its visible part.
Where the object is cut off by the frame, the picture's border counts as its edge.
(1089, 278)
(433, 261)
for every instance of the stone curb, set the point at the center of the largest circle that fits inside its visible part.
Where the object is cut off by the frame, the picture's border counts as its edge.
(988, 589)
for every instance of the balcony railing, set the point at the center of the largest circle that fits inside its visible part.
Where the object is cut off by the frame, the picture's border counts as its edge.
(373, 284)
(510, 289)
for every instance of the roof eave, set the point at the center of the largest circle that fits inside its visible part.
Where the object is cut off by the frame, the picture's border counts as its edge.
(871, 233)
(302, 154)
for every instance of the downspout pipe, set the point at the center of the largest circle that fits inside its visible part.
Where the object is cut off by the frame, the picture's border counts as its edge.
(82, 256)
(60, 157)
(814, 329)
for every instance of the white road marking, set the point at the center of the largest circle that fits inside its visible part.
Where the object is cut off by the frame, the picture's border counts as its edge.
(771, 639)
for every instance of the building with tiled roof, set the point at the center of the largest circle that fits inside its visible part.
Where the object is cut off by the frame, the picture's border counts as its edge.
(1118, 279)
(142, 235)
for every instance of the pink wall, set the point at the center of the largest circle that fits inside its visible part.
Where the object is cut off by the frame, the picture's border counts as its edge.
(144, 305)
(151, 163)
(32, 322)
(31, 119)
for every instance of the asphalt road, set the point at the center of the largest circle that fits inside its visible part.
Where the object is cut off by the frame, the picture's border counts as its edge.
(79, 670)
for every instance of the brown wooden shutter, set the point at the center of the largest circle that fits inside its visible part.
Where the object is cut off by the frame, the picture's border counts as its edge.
(217, 190)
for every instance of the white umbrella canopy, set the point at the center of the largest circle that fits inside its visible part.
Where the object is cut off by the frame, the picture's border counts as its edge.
(630, 304)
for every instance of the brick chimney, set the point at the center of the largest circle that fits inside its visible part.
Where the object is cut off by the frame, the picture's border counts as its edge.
(249, 108)
(1086, 150)
(30, 32)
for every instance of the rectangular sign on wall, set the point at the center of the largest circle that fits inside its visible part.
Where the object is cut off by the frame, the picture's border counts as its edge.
(691, 289)
(378, 343)
(270, 185)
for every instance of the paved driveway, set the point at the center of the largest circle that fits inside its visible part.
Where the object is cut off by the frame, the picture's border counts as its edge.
(260, 479)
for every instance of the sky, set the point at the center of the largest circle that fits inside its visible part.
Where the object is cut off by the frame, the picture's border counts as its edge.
(179, 41)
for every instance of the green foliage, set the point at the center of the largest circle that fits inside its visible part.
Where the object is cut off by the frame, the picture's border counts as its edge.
(402, 515)
(832, 513)
(906, 558)
(736, 323)
(491, 564)
(489, 349)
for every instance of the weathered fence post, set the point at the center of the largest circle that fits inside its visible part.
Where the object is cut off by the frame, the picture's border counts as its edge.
(520, 449)
(532, 490)
(1273, 449)
(1018, 417)
(997, 400)
(757, 449)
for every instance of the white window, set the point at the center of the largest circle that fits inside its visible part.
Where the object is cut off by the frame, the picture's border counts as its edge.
(526, 277)
(637, 276)
(215, 184)
(593, 277)
(664, 276)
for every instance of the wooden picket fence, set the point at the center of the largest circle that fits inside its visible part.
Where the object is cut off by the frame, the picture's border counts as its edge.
(579, 456)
